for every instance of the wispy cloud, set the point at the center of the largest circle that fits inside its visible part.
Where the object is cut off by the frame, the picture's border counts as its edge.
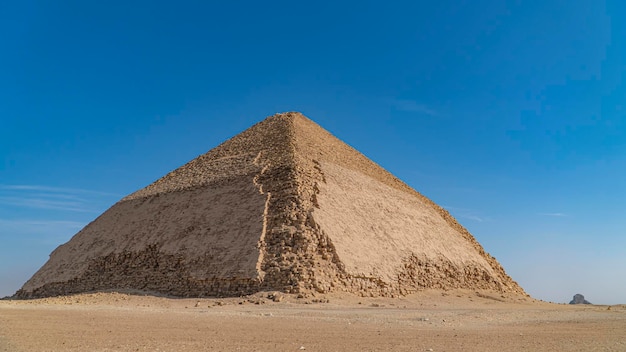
(465, 213)
(53, 198)
(472, 217)
(61, 190)
(412, 106)
(553, 214)
(38, 231)
(29, 225)
(46, 203)
(459, 189)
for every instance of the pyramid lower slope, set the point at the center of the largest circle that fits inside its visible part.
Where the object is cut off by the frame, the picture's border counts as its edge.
(282, 206)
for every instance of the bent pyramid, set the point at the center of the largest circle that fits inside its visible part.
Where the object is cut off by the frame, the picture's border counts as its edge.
(282, 206)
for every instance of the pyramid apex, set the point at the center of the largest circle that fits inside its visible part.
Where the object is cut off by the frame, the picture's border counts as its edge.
(289, 116)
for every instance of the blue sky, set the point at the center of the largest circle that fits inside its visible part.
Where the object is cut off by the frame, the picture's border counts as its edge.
(510, 114)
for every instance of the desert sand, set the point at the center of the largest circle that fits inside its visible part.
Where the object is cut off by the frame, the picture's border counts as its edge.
(458, 320)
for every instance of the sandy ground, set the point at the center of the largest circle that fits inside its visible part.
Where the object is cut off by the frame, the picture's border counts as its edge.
(428, 321)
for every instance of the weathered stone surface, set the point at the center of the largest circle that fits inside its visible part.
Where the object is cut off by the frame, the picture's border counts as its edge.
(283, 206)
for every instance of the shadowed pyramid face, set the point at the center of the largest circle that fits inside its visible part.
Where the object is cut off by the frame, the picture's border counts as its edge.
(282, 206)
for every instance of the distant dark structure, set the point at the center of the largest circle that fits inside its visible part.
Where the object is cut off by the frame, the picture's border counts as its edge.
(579, 299)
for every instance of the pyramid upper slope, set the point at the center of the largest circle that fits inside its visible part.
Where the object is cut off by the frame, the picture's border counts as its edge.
(269, 139)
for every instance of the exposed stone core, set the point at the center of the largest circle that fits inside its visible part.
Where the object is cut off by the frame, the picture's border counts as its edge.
(282, 206)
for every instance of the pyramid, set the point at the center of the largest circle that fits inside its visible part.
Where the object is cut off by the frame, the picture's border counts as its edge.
(282, 206)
